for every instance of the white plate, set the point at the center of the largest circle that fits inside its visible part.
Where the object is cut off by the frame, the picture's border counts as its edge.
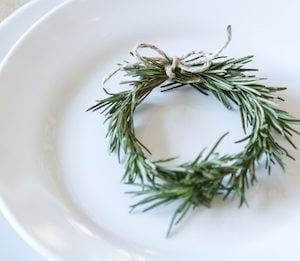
(12, 247)
(58, 184)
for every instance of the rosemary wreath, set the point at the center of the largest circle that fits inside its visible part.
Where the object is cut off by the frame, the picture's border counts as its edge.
(198, 181)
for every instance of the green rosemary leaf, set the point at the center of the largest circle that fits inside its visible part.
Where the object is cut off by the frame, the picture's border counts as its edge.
(215, 146)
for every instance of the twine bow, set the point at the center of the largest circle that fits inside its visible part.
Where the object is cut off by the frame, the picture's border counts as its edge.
(193, 62)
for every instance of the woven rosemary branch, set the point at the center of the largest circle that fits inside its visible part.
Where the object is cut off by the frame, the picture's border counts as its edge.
(198, 181)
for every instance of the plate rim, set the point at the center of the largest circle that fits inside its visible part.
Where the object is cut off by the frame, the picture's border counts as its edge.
(3, 64)
(27, 7)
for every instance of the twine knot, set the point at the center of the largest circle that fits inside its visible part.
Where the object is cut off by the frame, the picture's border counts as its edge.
(170, 68)
(193, 62)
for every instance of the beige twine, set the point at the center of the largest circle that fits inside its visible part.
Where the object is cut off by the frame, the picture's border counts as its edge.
(185, 63)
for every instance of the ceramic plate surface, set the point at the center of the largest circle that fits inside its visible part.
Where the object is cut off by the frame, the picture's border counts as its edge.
(60, 186)
(11, 29)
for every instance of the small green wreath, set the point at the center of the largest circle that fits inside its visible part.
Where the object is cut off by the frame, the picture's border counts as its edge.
(196, 182)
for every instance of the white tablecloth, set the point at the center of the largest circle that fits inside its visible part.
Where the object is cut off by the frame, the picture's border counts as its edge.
(8, 6)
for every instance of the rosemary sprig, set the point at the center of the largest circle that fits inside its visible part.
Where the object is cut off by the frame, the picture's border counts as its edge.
(197, 182)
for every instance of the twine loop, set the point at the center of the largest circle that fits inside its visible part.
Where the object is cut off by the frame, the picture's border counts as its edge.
(194, 62)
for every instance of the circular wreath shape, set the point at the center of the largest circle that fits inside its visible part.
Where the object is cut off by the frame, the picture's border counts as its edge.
(196, 182)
